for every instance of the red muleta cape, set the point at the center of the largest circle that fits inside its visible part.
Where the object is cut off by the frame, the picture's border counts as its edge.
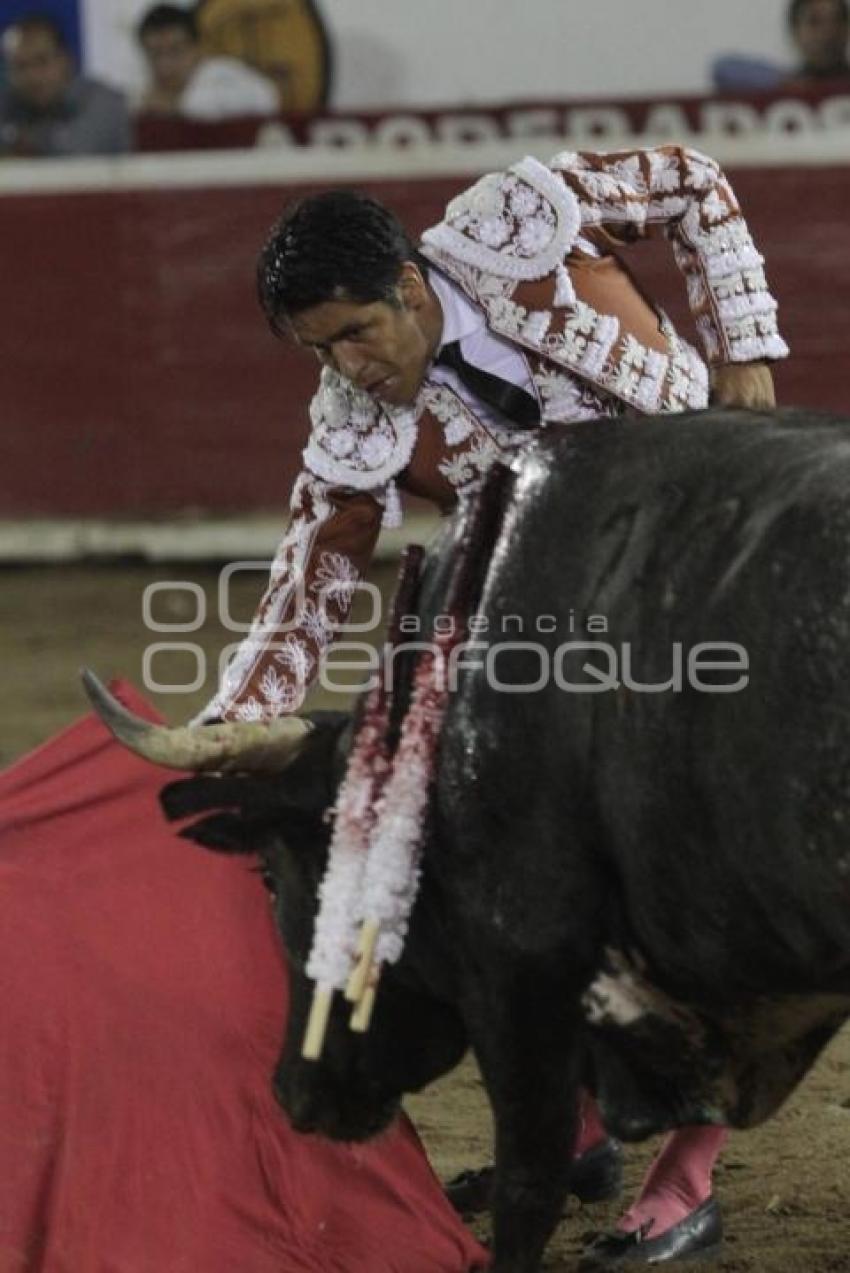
(143, 992)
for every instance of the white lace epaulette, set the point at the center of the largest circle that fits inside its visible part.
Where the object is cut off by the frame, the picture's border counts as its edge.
(518, 224)
(354, 440)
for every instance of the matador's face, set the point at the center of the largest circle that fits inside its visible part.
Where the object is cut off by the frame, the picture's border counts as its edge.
(384, 347)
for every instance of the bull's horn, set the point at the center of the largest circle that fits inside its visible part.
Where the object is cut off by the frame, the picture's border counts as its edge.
(228, 748)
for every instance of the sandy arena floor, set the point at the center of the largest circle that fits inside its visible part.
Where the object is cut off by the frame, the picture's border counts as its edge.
(785, 1189)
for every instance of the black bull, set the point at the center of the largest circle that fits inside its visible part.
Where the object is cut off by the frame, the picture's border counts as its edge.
(645, 890)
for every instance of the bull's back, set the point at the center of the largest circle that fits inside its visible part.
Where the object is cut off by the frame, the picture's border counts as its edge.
(706, 810)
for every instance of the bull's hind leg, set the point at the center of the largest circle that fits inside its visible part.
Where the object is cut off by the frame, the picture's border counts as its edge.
(524, 1034)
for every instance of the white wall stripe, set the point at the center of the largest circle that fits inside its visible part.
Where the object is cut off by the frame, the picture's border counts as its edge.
(283, 166)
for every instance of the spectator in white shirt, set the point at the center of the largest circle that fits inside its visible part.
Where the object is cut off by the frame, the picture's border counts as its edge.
(185, 81)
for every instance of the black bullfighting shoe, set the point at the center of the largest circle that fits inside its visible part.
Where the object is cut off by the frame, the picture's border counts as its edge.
(698, 1237)
(597, 1177)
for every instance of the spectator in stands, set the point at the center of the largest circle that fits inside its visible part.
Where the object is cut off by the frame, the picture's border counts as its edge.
(46, 107)
(185, 81)
(820, 30)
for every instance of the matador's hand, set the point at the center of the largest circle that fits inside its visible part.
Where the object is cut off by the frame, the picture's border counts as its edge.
(743, 384)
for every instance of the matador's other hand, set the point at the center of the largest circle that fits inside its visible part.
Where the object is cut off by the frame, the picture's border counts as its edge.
(743, 384)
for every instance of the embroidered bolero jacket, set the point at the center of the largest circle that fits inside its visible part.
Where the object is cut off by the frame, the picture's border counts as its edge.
(532, 248)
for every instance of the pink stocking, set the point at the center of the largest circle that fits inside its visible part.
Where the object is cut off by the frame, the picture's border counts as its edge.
(678, 1180)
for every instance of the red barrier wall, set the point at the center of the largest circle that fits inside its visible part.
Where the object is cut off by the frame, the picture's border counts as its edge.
(138, 377)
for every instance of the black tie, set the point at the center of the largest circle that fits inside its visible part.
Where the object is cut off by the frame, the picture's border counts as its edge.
(519, 407)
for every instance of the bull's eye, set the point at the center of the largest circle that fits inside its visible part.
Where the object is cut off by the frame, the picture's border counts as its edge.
(267, 876)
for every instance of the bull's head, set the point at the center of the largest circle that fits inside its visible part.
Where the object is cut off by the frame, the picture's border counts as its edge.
(279, 811)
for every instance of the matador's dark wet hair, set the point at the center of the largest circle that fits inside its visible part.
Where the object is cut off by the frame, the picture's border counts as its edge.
(797, 8)
(339, 245)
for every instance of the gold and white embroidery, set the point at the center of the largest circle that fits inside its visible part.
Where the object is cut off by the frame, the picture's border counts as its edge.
(687, 384)
(287, 574)
(449, 408)
(686, 191)
(336, 579)
(584, 342)
(313, 620)
(295, 656)
(467, 467)
(280, 694)
(478, 284)
(566, 399)
(354, 440)
(518, 224)
(284, 691)
(734, 312)
(739, 319)
(459, 423)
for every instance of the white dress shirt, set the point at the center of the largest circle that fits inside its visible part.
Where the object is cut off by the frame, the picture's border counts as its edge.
(224, 87)
(465, 323)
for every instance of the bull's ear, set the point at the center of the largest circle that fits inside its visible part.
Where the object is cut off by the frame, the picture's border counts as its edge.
(309, 783)
(312, 779)
(243, 815)
(248, 812)
(224, 833)
(245, 809)
(187, 796)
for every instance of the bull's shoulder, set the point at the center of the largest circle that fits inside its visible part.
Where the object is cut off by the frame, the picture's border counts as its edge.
(711, 449)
